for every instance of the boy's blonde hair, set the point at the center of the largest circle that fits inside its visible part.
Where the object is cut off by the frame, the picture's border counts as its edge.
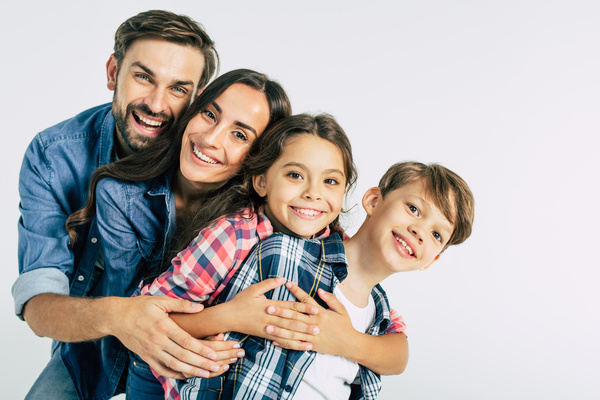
(448, 191)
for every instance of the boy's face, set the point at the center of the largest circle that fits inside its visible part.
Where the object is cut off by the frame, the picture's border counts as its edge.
(406, 230)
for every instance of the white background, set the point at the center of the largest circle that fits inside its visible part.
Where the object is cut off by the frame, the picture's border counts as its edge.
(505, 93)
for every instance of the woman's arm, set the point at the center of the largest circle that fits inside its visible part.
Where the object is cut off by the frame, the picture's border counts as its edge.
(385, 354)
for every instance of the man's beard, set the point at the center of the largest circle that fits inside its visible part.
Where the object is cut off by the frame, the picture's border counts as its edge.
(136, 142)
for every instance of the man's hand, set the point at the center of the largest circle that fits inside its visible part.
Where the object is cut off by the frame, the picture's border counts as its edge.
(227, 352)
(143, 325)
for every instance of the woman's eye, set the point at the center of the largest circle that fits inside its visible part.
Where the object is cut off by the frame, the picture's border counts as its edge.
(241, 135)
(210, 114)
(413, 209)
(437, 237)
(294, 175)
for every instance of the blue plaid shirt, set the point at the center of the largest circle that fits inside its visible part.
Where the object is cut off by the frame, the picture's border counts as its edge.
(268, 371)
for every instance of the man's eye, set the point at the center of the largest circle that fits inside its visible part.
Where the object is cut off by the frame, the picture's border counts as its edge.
(143, 77)
(179, 90)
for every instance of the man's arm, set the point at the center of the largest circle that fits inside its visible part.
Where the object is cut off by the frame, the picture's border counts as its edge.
(140, 323)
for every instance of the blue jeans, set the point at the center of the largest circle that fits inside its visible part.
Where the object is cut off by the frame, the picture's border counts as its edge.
(54, 382)
(141, 383)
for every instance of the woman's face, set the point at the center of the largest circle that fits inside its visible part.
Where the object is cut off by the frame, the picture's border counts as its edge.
(217, 139)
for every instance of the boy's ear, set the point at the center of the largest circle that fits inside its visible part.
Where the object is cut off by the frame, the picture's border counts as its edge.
(429, 265)
(371, 198)
(111, 72)
(260, 184)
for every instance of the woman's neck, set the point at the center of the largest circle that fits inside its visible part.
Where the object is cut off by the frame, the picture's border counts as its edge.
(187, 193)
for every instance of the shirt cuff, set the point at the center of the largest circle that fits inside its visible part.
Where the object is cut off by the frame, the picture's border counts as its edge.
(38, 281)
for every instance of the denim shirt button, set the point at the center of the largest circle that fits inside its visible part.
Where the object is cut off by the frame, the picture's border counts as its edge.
(287, 388)
(94, 240)
(80, 278)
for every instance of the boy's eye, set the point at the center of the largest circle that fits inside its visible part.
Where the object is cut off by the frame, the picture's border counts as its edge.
(241, 135)
(413, 209)
(437, 236)
(294, 175)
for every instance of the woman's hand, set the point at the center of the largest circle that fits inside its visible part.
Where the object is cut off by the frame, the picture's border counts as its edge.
(286, 322)
(335, 329)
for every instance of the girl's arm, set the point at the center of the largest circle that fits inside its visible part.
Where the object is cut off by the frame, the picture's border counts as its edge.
(385, 354)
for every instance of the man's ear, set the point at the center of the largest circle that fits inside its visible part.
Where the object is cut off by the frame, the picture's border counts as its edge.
(111, 72)
(260, 184)
(371, 199)
(200, 90)
(429, 265)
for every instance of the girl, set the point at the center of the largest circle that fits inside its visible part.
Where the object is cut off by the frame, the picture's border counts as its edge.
(295, 178)
(141, 201)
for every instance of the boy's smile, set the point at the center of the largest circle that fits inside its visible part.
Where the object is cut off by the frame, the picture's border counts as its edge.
(405, 229)
(305, 187)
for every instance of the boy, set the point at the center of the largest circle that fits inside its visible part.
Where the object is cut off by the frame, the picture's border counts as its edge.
(416, 213)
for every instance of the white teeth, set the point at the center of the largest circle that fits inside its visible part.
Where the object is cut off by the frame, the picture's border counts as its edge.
(202, 156)
(150, 122)
(405, 245)
(308, 212)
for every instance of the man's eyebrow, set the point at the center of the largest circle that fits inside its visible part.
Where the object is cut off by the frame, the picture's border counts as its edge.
(149, 72)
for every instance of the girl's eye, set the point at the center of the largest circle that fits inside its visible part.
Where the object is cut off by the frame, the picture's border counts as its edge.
(210, 114)
(331, 181)
(241, 135)
(437, 236)
(294, 175)
(413, 209)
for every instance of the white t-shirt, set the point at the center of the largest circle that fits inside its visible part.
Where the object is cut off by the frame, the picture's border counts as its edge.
(329, 377)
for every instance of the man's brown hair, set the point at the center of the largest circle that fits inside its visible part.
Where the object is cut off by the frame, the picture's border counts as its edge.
(165, 25)
(448, 191)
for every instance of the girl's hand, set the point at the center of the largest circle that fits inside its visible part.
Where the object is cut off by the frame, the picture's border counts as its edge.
(335, 330)
(226, 351)
(258, 316)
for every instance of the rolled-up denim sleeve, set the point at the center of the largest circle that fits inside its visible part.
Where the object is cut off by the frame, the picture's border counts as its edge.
(45, 259)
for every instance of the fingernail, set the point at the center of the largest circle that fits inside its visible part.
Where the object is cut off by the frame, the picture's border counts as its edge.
(288, 284)
(308, 347)
(225, 367)
(214, 368)
(279, 279)
(240, 354)
(203, 374)
(197, 305)
(212, 356)
(270, 329)
(236, 346)
(232, 360)
(316, 330)
(270, 310)
(276, 343)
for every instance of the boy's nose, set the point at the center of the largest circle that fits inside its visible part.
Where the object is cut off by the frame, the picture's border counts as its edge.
(416, 233)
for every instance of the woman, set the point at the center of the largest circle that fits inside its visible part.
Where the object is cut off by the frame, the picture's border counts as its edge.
(143, 201)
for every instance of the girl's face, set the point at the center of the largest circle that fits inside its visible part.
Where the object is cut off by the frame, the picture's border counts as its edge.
(217, 139)
(305, 187)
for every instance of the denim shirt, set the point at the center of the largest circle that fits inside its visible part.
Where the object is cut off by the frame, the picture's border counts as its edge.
(135, 221)
(53, 183)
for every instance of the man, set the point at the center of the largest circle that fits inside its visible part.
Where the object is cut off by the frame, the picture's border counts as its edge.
(161, 61)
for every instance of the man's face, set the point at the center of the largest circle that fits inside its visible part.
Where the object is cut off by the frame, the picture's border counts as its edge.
(155, 82)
